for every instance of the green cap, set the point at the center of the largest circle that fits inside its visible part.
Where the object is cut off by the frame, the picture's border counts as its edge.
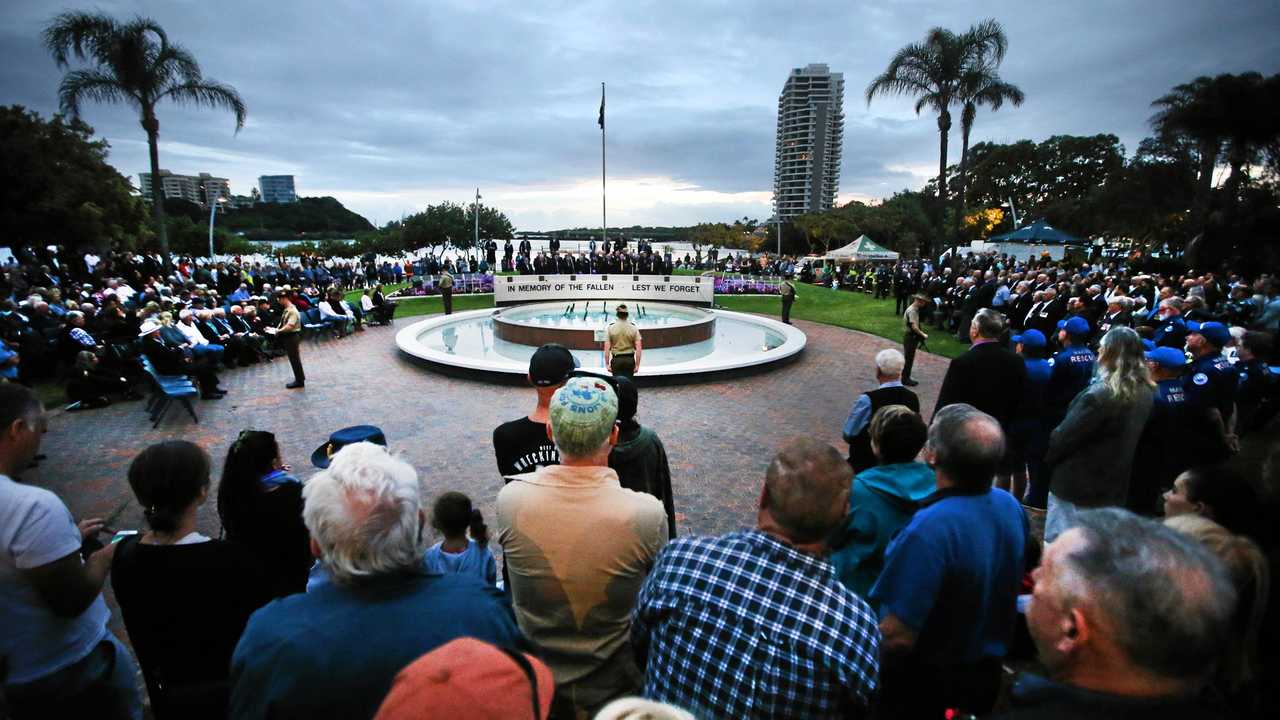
(582, 415)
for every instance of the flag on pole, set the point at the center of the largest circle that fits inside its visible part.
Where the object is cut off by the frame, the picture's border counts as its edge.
(601, 120)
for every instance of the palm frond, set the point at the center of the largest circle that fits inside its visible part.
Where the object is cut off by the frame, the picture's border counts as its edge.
(208, 93)
(93, 85)
(80, 35)
(909, 72)
(179, 63)
(987, 40)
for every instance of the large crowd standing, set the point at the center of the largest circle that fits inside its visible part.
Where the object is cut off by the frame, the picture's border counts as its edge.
(904, 580)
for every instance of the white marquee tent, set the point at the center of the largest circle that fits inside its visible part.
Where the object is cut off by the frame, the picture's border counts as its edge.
(861, 250)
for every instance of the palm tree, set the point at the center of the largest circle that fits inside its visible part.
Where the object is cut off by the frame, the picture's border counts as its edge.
(134, 64)
(933, 71)
(981, 85)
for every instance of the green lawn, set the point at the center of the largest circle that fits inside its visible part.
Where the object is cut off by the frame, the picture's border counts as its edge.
(854, 310)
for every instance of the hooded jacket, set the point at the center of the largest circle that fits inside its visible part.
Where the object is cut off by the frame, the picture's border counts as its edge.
(641, 463)
(881, 501)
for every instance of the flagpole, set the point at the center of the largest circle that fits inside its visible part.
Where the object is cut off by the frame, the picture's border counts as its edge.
(477, 218)
(604, 216)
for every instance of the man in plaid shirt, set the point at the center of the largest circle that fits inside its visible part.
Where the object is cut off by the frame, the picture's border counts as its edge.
(755, 623)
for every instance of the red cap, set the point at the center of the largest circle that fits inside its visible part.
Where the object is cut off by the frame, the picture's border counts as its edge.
(467, 678)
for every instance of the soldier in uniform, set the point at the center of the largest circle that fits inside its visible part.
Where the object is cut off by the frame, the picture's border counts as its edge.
(446, 291)
(912, 336)
(1210, 387)
(289, 334)
(622, 347)
(788, 290)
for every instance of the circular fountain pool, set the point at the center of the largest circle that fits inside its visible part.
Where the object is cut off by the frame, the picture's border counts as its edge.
(578, 328)
(678, 340)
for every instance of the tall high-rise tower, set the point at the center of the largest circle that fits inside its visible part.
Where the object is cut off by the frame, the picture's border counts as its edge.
(806, 174)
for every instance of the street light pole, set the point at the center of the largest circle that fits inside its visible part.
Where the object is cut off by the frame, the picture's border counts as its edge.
(213, 209)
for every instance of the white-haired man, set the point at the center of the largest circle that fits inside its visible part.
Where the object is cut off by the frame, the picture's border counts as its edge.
(889, 363)
(577, 548)
(334, 651)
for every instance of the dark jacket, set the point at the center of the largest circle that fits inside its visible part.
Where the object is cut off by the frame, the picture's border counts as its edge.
(1091, 451)
(640, 460)
(989, 377)
(167, 360)
(1035, 698)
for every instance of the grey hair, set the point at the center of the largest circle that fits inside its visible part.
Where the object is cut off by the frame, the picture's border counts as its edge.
(1172, 301)
(889, 362)
(1168, 601)
(990, 323)
(74, 315)
(363, 512)
(967, 445)
(1122, 365)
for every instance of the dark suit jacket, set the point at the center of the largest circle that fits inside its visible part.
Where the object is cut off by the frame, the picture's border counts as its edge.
(989, 377)
(1047, 319)
(166, 359)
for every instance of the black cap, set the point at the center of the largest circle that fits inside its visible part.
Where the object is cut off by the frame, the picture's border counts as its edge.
(550, 365)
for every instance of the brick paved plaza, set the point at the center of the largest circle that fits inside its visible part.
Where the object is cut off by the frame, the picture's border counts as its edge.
(719, 435)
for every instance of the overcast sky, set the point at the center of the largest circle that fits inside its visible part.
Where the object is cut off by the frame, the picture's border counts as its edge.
(390, 106)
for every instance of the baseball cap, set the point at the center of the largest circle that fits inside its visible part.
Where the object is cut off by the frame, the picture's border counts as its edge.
(1168, 357)
(550, 365)
(1030, 338)
(1148, 345)
(1214, 332)
(1074, 325)
(583, 412)
(473, 679)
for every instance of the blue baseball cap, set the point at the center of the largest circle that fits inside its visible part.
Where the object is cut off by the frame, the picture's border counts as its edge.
(1030, 338)
(1074, 325)
(1214, 332)
(1148, 345)
(1168, 357)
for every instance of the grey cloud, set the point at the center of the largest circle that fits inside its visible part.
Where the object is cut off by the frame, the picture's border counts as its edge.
(381, 97)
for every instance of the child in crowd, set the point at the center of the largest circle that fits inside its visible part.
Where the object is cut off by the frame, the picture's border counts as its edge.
(453, 516)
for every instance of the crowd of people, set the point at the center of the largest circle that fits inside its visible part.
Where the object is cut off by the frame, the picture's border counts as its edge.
(87, 322)
(1068, 509)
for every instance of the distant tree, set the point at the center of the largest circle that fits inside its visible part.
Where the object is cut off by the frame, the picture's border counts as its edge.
(135, 64)
(493, 224)
(933, 73)
(1192, 110)
(56, 187)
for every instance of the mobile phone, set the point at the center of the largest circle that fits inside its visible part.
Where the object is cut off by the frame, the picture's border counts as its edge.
(122, 535)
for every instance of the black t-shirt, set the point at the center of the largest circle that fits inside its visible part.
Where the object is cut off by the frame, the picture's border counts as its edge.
(522, 446)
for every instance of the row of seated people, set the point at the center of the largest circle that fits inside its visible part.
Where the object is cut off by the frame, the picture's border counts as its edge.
(96, 346)
(326, 598)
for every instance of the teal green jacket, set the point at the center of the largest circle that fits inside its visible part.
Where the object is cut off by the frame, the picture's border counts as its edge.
(881, 501)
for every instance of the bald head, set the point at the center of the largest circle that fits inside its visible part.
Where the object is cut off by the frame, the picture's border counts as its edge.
(807, 489)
